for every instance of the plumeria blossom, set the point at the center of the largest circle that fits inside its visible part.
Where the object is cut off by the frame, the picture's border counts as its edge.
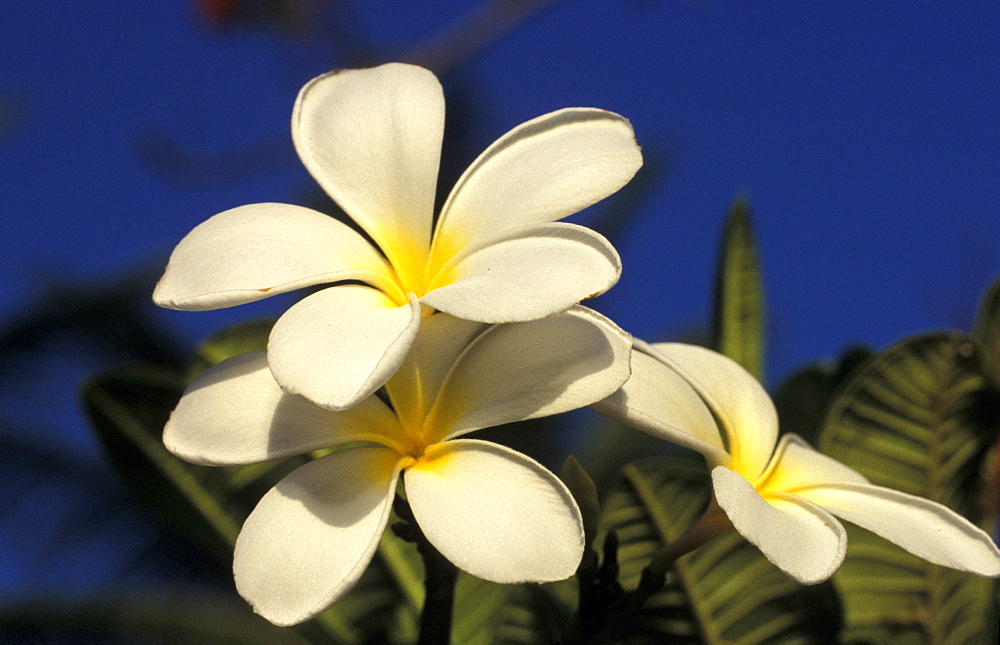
(782, 496)
(372, 139)
(492, 511)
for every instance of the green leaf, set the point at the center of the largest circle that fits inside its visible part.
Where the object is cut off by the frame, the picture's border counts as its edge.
(147, 616)
(724, 592)
(738, 320)
(803, 399)
(250, 336)
(986, 331)
(915, 418)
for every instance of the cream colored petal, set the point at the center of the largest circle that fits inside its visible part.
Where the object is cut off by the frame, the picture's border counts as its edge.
(800, 538)
(924, 528)
(372, 139)
(255, 251)
(312, 536)
(748, 417)
(415, 385)
(541, 171)
(532, 369)
(495, 513)
(530, 273)
(340, 344)
(797, 465)
(235, 413)
(656, 400)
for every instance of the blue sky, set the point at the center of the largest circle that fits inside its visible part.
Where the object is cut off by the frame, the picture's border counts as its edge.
(865, 135)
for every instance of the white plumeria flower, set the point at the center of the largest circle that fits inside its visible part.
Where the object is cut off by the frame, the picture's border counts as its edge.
(781, 498)
(492, 511)
(372, 139)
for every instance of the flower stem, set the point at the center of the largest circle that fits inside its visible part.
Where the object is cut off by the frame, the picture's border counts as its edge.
(439, 580)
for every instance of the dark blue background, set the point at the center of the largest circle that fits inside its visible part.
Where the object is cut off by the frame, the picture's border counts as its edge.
(865, 135)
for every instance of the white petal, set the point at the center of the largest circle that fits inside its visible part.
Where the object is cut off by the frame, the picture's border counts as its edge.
(746, 412)
(255, 251)
(372, 139)
(797, 465)
(541, 171)
(530, 273)
(532, 369)
(312, 535)
(801, 539)
(415, 385)
(924, 528)
(235, 413)
(656, 400)
(340, 344)
(495, 513)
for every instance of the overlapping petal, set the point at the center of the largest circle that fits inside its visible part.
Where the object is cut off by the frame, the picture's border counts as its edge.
(541, 171)
(660, 402)
(415, 385)
(748, 417)
(496, 513)
(532, 369)
(529, 273)
(340, 344)
(372, 139)
(924, 528)
(311, 536)
(259, 250)
(798, 465)
(800, 538)
(235, 413)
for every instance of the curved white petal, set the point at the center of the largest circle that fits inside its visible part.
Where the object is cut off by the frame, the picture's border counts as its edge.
(797, 465)
(259, 250)
(415, 385)
(541, 171)
(311, 536)
(530, 273)
(746, 412)
(340, 344)
(924, 528)
(658, 401)
(800, 538)
(235, 413)
(372, 139)
(495, 513)
(532, 369)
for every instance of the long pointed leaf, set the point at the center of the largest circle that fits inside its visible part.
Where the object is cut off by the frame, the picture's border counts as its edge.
(738, 319)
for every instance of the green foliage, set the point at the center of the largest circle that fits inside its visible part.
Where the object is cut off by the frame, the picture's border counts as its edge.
(724, 592)
(174, 616)
(738, 322)
(803, 399)
(986, 332)
(916, 418)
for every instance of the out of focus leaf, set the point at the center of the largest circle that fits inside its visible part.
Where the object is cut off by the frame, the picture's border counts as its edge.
(918, 418)
(738, 318)
(129, 407)
(987, 331)
(250, 336)
(802, 399)
(150, 617)
(724, 592)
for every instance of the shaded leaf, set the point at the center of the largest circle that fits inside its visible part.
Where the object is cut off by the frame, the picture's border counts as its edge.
(738, 317)
(986, 331)
(916, 418)
(803, 399)
(724, 592)
(150, 617)
(250, 336)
